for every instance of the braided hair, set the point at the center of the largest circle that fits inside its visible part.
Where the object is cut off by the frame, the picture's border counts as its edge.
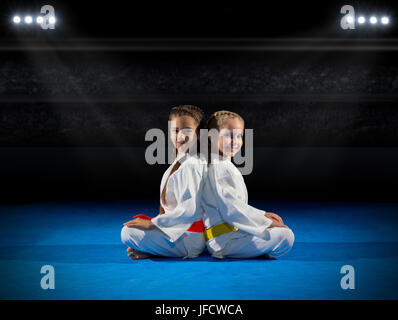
(216, 120)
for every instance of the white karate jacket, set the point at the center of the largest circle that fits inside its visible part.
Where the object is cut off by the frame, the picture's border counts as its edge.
(225, 199)
(183, 194)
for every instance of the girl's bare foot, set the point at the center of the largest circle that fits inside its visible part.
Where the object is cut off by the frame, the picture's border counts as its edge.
(137, 255)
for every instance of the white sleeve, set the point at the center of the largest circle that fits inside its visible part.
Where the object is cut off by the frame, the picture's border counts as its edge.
(234, 210)
(186, 186)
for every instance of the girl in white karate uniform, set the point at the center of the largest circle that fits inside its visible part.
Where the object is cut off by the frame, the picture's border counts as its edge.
(178, 229)
(235, 229)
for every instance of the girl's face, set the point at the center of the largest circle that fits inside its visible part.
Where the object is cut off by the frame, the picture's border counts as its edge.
(183, 132)
(230, 138)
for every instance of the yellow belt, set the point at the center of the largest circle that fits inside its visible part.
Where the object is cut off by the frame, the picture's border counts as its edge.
(218, 230)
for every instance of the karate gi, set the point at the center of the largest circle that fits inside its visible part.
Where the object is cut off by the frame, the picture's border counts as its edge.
(225, 199)
(170, 237)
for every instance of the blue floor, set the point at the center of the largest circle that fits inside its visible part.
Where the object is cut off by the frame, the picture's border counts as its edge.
(81, 240)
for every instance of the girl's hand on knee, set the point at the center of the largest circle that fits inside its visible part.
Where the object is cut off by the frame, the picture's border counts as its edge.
(139, 223)
(276, 223)
(271, 215)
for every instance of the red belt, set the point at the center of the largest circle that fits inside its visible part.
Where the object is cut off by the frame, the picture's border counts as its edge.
(197, 226)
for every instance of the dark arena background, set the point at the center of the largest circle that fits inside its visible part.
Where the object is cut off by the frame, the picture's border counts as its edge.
(76, 102)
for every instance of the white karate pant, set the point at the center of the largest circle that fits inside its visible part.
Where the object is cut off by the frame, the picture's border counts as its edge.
(154, 241)
(241, 244)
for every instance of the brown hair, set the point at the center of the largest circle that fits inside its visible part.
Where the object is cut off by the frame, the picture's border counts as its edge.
(188, 110)
(217, 119)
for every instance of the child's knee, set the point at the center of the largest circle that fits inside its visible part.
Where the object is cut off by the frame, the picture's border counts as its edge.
(125, 234)
(289, 236)
(288, 240)
(132, 236)
(285, 244)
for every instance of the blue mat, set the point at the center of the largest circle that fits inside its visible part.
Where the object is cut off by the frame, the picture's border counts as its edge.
(81, 240)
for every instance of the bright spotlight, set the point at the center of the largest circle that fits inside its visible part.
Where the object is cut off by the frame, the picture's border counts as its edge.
(385, 20)
(16, 19)
(350, 19)
(28, 19)
(51, 20)
(361, 20)
(39, 19)
(373, 20)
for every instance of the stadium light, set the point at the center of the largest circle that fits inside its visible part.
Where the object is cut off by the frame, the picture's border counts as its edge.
(39, 20)
(16, 19)
(28, 19)
(46, 18)
(385, 20)
(361, 20)
(348, 21)
(373, 20)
